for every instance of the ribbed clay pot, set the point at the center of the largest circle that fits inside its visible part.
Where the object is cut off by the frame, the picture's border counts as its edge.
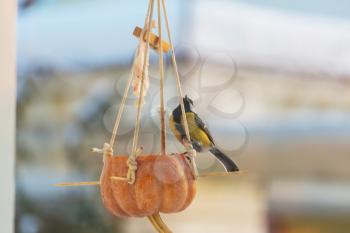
(163, 184)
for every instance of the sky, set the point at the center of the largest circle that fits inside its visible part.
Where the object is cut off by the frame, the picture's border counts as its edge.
(294, 35)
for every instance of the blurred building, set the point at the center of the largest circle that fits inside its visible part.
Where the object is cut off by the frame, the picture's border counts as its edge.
(271, 79)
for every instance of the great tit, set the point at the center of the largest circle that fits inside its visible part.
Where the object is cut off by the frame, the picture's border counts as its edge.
(201, 138)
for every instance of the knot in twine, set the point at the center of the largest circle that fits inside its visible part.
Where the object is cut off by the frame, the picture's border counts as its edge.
(107, 151)
(132, 165)
(191, 154)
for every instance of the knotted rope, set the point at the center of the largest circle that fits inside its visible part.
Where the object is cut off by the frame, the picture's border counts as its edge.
(134, 154)
(132, 163)
(191, 153)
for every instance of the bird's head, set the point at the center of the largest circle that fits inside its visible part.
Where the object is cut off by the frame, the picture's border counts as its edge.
(188, 103)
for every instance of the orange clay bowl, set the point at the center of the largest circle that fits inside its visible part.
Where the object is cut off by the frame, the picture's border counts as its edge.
(164, 183)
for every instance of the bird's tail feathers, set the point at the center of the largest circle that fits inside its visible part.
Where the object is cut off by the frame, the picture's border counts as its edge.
(229, 165)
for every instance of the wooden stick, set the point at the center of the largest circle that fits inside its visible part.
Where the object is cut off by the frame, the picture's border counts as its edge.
(216, 174)
(118, 178)
(75, 184)
(153, 40)
(153, 24)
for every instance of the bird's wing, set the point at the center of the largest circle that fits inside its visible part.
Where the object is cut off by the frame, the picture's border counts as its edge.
(177, 129)
(203, 127)
(180, 130)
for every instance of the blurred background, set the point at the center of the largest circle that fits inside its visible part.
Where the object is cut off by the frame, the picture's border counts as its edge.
(271, 78)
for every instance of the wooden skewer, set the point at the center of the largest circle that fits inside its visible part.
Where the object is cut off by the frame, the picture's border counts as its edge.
(153, 40)
(153, 24)
(215, 174)
(96, 183)
(118, 178)
(75, 184)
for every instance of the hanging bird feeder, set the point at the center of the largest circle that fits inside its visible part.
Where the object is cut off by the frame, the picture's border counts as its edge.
(140, 185)
(164, 184)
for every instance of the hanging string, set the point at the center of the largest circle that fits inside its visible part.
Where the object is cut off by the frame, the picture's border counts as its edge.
(112, 141)
(140, 100)
(188, 145)
(161, 84)
(178, 81)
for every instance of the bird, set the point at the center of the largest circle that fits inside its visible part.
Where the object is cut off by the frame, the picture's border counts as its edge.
(201, 138)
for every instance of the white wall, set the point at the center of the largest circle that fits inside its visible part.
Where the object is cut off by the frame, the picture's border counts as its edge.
(7, 110)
